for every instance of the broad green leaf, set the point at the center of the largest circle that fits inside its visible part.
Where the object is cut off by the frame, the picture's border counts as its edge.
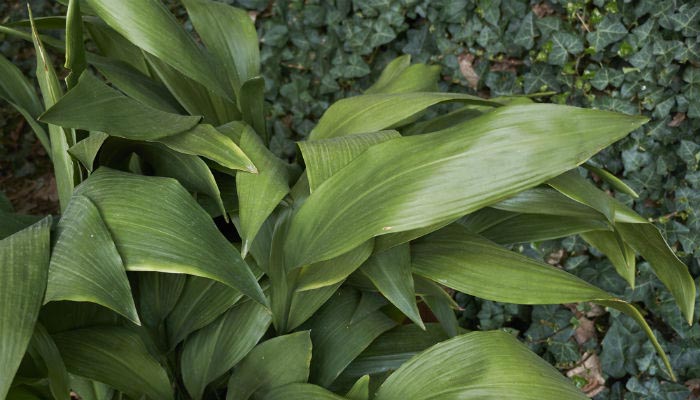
(85, 264)
(115, 356)
(646, 240)
(11, 222)
(471, 264)
(390, 272)
(260, 193)
(137, 85)
(158, 294)
(485, 218)
(390, 350)
(533, 227)
(61, 316)
(46, 350)
(201, 302)
(360, 390)
(443, 311)
(335, 270)
(301, 391)
(369, 303)
(273, 363)
(414, 78)
(305, 304)
(336, 341)
(620, 254)
(206, 141)
(282, 281)
(194, 97)
(86, 150)
(61, 139)
(89, 389)
(76, 61)
(24, 264)
(546, 201)
(229, 33)
(170, 233)
(150, 26)
(213, 350)
(114, 46)
(252, 104)
(325, 157)
(413, 182)
(111, 112)
(390, 73)
(375, 112)
(445, 121)
(388, 241)
(478, 365)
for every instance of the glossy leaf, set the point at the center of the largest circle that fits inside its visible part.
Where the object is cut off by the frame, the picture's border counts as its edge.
(479, 365)
(273, 363)
(546, 201)
(216, 348)
(374, 112)
(150, 26)
(335, 270)
(390, 272)
(115, 356)
(413, 182)
(336, 341)
(325, 157)
(85, 264)
(24, 264)
(170, 233)
(111, 112)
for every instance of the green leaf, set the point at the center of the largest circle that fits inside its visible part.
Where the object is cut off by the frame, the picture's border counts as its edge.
(76, 61)
(46, 350)
(201, 302)
(158, 294)
(206, 141)
(24, 264)
(273, 363)
(563, 44)
(305, 304)
(229, 33)
(390, 73)
(360, 390)
(90, 390)
(85, 264)
(620, 254)
(258, 194)
(646, 240)
(336, 340)
(546, 201)
(171, 233)
(525, 36)
(115, 356)
(325, 157)
(413, 182)
(612, 180)
(252, 100)
(608, 31)
(114, 46)
(478, 365)
(111, 112)
(216, 348)
(522, 228)
(301, 391)
(86, 150)
(414, 78)
(335, 270)
(61, 140)
(150, 26)
(375, 112)
(390, 272)
(12, 222)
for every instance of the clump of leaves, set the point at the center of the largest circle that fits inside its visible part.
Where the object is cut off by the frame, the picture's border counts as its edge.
(142, 289)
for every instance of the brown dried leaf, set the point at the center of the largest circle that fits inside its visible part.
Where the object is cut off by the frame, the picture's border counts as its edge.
(590, 369)
(466, 67)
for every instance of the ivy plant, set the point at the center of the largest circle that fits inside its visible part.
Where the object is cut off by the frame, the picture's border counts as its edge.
(189, 261)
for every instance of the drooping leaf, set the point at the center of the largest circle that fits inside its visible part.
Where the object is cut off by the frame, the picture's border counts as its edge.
(116, 356)
(46, 350)
(60, 139)
(390, 272)
(485, 365)
(325, 157)
(201, 302)
(258, 194)
(150, 26)
(375, 112)
(170, 233)
(413, 182)
(273, 363)
(612, 180)
(111, 112)
(620, 254)
(24, 264)
(336, 341)
(216, 348)
(85, 264)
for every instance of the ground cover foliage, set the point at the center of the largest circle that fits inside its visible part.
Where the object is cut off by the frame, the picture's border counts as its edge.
(633, 57)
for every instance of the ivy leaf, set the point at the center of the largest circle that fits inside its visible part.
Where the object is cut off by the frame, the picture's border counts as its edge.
(541, 77)
(608, 31)
(564, 44)
(525, 36)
